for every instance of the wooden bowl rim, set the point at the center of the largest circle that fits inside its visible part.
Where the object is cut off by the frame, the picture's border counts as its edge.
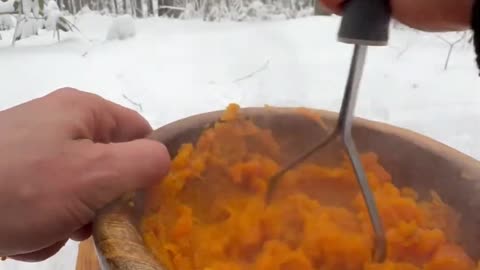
(423, 141)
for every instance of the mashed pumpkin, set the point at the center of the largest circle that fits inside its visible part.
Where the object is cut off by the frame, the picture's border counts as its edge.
(209, 212)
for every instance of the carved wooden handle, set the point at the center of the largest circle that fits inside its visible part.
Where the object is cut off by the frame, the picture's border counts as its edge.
(119, 241)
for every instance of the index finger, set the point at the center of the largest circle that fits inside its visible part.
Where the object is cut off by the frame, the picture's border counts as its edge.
(101, 120)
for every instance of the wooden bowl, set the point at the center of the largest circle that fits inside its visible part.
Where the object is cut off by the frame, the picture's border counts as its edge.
(412, 159)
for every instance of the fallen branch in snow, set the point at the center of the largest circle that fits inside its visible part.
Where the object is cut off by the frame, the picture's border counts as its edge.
(262, 68)
(403, 51)
(171, 7)
(87, 51)
(136, 104)
(452, 45)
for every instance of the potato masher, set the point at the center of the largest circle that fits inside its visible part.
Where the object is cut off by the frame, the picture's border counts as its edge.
(364, 23)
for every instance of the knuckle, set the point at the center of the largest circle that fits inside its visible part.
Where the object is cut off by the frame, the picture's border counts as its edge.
(75, 100)
(66, 92)
(69, 94)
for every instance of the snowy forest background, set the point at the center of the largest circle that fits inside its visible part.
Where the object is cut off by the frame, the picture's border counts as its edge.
(27, 17)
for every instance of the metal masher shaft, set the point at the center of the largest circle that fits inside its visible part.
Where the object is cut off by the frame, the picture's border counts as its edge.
(344, 130)
(345, 127)
(364, 23)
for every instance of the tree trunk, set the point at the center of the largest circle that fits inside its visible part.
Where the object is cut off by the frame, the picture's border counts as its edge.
(150, 7)
(227, 4)
(161, 11)
(116, 6)
(78, 5)
(72, 6)
(124, 6)
(165, 10)
(138, 8)
(66, 4)
(320, 9)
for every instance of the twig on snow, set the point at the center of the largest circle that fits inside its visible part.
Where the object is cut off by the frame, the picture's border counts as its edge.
(403, 50)
(94, 45)
(452, 45)
(260, 69)
(136, 104)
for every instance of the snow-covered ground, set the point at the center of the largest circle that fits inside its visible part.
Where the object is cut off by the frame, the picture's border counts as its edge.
(172, 69)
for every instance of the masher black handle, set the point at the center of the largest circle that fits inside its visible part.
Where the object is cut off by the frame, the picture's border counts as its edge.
(365, 22)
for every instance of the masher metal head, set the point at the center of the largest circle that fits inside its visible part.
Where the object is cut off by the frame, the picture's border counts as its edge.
(364, 23)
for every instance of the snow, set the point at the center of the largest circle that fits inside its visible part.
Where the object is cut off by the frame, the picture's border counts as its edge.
(52, 19)
(52, 13)
(6, 22)
(52, 5)
(122, 27)
(174, 69)
(27, 6)
(6, 6)
(28, 28)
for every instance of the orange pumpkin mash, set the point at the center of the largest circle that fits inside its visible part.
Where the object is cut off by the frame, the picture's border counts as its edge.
(209, 212)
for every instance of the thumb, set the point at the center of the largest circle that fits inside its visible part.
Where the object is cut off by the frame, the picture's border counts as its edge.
(124, 167)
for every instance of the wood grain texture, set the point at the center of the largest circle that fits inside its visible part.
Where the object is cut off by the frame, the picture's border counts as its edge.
(412, 160)
(87, 257)
(117, 237)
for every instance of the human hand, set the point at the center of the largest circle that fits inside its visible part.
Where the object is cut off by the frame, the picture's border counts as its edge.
(426, 15)
(63, 157)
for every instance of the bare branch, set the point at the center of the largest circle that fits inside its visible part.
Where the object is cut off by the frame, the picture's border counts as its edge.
(262, 68)
(17, 28)
(451, 45)
(401, 49)
(443, 39)
(470, 39)
(136, 104)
